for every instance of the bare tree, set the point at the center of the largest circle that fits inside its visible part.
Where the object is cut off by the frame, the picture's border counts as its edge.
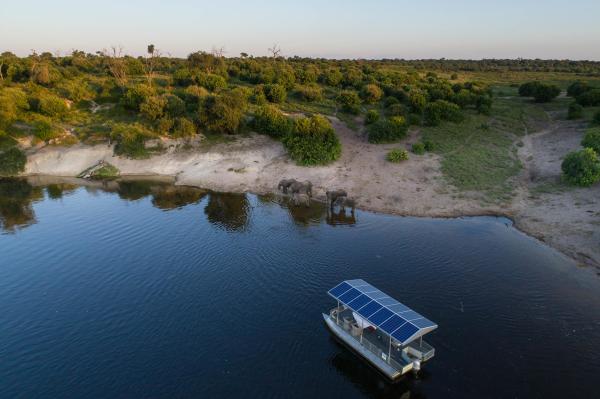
(116, 64)
(275, 50)
(218, 52)
(152, 55)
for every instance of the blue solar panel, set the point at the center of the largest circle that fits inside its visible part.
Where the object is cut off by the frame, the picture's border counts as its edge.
(423, 323)
(339, 289)
(405, 332)
(383, 311)
(359, 302)
(392, 324)
(350, 295)
(379, 317)
(369, 309)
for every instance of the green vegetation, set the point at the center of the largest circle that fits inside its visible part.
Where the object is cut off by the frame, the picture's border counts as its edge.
(592, 139)
(313, 142)
(541, 92)
(397, 155)
(581, 168)
(12, 162)
(418, 148)
(270, 120)
(575, 111)
(107, 171)
(388, 130)
(371, 117)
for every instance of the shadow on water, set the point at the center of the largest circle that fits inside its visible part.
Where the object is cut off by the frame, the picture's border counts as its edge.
(228, 211)
(370, 382)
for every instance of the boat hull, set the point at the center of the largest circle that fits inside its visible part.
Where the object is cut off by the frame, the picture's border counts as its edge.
(343, 337)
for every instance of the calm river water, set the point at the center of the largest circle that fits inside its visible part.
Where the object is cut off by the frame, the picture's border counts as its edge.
(139, 289)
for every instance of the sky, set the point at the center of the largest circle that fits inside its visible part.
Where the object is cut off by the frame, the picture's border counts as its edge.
(409, 29)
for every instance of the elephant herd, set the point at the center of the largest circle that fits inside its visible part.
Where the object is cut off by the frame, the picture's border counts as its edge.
(301, 192)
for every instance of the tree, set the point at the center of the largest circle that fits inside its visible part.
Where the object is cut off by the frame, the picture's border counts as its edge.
(589, 98)
(270, 120)
(152, 54)
(153, 107)
(581, 168)
(592, 139)
(371, 93)
(116, 64)
(12, 161)
(275, 51)
(275, 93)
(577, 88)
(541, 92)
(350, 101)
(223, 113)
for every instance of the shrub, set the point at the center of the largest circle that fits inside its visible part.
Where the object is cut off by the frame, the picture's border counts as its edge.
(483, 104)
(592, 139)
(182, 77)
(223, 113)
(371, 93)
(211, 81)
(541, 92)
(135, 96)
(388, 130)
(275, 93)
(174, 106)
(12, 162)
(258, 96)
(428, 145)
(184, 128)
(590, 98)
(440, 110)
(313, 142)
(575, 111)
(397, 155)
(165, 125)
(396, 110)
(153, 107)
(310, 92)
(417, 100)
(193, 95)
(390, 100)
(130, 140)
(581, 168)
(270, 120)
(418, 148)
(107, 171)
(52, 105)
(44, 129)
(349, 101)
(371, 117)
(596, 118)
(577, 88)
(332, 77)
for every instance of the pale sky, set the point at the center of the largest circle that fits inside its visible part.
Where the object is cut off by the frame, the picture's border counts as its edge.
(408, 29)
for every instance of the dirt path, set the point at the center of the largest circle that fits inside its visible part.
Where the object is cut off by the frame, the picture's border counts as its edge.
(567, 220)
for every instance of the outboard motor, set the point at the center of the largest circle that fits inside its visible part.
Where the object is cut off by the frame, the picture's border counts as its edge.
(416, 366)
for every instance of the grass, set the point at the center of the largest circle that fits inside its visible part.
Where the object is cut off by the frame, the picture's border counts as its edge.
(479, 153)
(107, 171)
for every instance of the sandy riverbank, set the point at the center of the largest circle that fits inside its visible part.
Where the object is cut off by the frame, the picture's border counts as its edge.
(568, 221)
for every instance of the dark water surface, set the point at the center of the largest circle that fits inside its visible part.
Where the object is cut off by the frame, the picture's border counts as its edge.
(140, 290)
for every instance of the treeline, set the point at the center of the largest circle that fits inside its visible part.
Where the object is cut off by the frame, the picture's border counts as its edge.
(131, 100)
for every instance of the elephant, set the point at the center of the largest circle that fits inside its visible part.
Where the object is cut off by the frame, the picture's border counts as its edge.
(301, 199)
(347, 202)
(285, 184)
(332, 196)
(301, 188)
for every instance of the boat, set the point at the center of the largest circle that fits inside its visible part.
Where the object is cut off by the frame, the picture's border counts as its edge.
(379, 329)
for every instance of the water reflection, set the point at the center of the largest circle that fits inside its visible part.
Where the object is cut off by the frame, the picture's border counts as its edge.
(16, 199)
(228, 211)
(225, 210)
(369, 381)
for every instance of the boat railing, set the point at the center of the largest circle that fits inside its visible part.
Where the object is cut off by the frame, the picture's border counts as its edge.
(373, 348)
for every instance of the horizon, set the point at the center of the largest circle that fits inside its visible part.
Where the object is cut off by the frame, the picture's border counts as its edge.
(430, 30)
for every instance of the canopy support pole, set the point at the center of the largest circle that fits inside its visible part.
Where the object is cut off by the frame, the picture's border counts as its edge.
(337, 314)
(390, 350)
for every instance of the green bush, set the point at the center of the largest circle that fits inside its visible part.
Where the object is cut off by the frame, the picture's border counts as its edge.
(349, 101)
(581, 168)
(541, 92)
(371, 117)
(153, 107)
(131, 140)
(174, 106)
(577, 88)
(135, 96)
(311, 92)
(107, 171)
(270, 120)
(589, 98)
(397, 155)
(483, 104)
(596, 118)
(52, 105)
(428, 145)
(12, 162)
(313, 141)
(211, 81)
(575, 111)
(184, 128)
(45, 129)
(223, 113)
(418, 148)
(417, 100)
(592, 139)
(396, 110)
(387, 130)
(275, 93)
(371, 93)
(441, 110)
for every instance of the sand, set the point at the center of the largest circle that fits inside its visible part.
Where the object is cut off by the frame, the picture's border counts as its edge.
(568, 221)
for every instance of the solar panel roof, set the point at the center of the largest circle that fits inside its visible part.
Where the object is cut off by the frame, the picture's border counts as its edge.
(394, 318)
